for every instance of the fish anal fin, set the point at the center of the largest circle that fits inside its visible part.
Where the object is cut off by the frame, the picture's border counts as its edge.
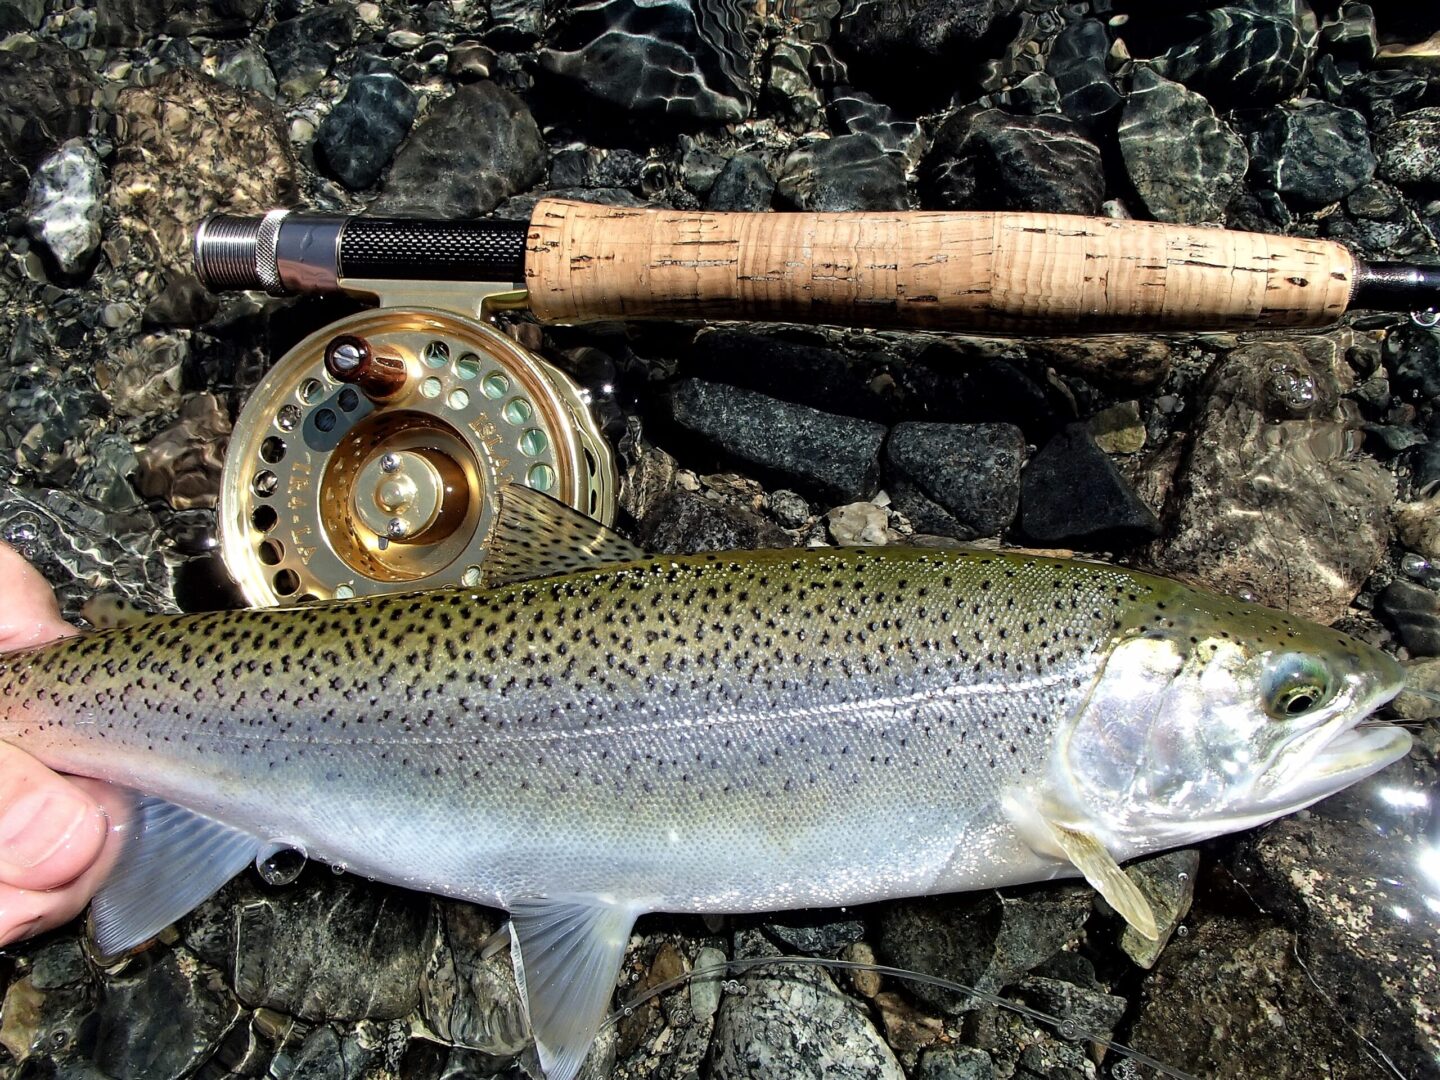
(171, 861)
(567, 952)
(1105, 876)
(537, 536)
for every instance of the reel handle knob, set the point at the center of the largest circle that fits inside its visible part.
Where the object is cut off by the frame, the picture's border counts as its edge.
(350, 359)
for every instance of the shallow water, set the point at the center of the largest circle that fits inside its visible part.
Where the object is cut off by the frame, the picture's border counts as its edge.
(1291, 468)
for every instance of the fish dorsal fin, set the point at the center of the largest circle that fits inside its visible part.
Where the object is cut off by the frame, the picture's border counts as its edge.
(1105, 876)
(567, 952)
(109, 611)
(171, 861)
(536, 537)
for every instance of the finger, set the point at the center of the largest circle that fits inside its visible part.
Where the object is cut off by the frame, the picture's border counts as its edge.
(29, 614)
(51, 829)
(26, 912)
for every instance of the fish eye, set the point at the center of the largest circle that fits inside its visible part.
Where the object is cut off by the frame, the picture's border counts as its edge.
(1294, 684)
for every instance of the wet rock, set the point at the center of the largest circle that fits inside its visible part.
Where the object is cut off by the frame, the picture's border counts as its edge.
(960, 480)
(162, 1017)
(131, 23)
(1351, 33)
(327, 947)
(103, 475)
(836, 458)
(516, 23)
(1272, 501)
(926, 38)
(1185, 162)
(1414, 612)
(1240, 57)
(1413, 357)
(1091, 1011)
(858, 524)
(1119, 429)
(596, 167)
(1314, 152)
(245, 68)
(141, 378)
(815, 933)
(80, 545)
(649, 474)
(1168, 882)
(470, 151)
(466, 998)
(302, 50)
(46, 96)
(790, 509)
(1423, 674)
(182, 464)
(1072, 492)
(982, 940)
(743, 184)
(186, 147)
(685, 61)
(989, 160)
(39, 1021)
(1033, 95)
(327, 1053)
(908, 1030)
(19, 15)
(1078, 62)
(855, 112)
(797, 365)
(795, 1022)
(63, 206)
(955, 1063)
(687, 522)
(851, 172)
(1409, 148)
(357, 139)
(788, 84)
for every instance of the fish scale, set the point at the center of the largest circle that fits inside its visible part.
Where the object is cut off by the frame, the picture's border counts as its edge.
(736, 732)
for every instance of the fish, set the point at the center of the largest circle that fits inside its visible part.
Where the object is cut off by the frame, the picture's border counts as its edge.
(599, 733)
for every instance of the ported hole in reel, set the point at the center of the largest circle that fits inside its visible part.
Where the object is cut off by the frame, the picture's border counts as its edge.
(468, 366)
(271, 552)
(272, 449)
(265, 483)
(310, 390)
(286, 582)
(349, 399)
(264, 517)
(325, 419)
(437, 354)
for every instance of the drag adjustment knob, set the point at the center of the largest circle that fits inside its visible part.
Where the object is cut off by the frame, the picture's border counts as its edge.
(410, 496)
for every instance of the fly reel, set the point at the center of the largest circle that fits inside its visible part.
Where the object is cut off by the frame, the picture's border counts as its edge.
(370, 457)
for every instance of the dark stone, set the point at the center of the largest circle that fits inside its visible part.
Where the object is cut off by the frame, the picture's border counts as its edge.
(1385, 95)
(516, 23)
(1314, 152)
(469, 152)
(466, 996)
(851, 172)
(1072, 492)
(1092, 1011)
(359, 136)
(1079, 64)
(958, 480)
(327, 1053)
(1031, 96)
(302, 50)
(983, 940)
(854, 112)
(815, 933)
(686, 522)
(1242, 58)
(684, 60)
(20, 15)
(990, 160)
(596, 167)
(1414, 612)
(923, 39)
(312, 949)
(955, 1063)
(159, 1018)
(788, 365)
(1424, 464)
(1412, 355)
(1409, 148)
(46, 97)
(743, 184)
(836, 458)
(1185, 163)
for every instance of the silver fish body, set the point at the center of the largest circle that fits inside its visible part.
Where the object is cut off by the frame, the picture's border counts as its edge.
(721, 733)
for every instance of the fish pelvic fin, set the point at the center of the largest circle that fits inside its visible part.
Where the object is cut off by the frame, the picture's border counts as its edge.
(171, 861)
(536, 537)
(567, 952)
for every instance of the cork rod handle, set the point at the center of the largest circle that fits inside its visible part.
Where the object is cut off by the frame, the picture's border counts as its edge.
(1014, 272)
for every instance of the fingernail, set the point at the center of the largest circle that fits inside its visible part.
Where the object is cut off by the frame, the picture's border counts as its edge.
(39, 824)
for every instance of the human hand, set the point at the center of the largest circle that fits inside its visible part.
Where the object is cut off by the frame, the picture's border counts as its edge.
(53, 829)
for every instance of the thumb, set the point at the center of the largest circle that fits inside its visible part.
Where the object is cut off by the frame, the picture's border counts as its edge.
(28, 612)
(50, 830)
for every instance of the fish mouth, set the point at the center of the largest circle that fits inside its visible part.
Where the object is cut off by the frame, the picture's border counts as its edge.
(1337, 761)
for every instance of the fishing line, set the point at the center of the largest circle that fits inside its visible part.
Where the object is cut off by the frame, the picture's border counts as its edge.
(1066, 1028)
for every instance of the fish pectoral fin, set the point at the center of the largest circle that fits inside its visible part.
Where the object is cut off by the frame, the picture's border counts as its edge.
(171, 861)
(536, 536)
(567, 952)
(1105, 876)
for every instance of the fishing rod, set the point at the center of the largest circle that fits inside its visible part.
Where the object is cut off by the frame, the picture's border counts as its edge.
(367, 459)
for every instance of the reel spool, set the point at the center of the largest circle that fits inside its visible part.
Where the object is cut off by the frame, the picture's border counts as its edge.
(369, 458)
